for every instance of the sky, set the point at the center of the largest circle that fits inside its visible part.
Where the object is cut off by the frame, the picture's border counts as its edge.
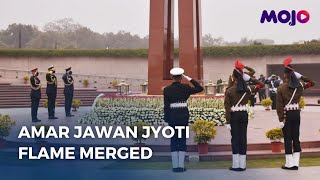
(231, 19)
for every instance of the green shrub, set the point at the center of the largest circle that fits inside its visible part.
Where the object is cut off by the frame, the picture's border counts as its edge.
(204, 131)
(302, 103)
(115, 82)
(5, 125)
(86, 82)
(275, 134)
(266, 103)
(73, 53)
(76, 103)
(45, 103)
(263, 50)
(215, 51)
(26, 78)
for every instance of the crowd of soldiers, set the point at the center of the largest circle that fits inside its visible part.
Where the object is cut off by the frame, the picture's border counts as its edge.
(242, 86)
(51, 92)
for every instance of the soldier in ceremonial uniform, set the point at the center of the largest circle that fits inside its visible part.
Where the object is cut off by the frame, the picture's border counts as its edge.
(253, 94)
(68, 91)
(236, 98)
(288, 97)
(250, 72)
(35, 94)
(176, 113)
(262, 91)
(51, 91)
(274, 83)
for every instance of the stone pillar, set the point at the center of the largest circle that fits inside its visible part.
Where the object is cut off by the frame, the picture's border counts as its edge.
(161, 39)
(190, 56)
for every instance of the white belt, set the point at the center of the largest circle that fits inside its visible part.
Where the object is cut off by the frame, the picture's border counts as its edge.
(292, 107)
(273, 89)
(238, 108)
(178, 105)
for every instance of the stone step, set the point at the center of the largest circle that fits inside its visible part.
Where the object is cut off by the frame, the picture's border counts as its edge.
(43, 96)
(17, 96)
(41, 100)
(60, 102)
(28, 105)
(43, 89)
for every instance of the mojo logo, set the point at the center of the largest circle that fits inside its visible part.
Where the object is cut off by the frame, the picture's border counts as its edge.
(284, 16)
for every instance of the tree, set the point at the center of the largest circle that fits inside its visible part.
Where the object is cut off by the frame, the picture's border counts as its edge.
(3, 45)
(313, 41)
(257, 43)
(10, 36)
(125, 40)
(208, 40)
(65, 25)
(84, 38)
(45, 40)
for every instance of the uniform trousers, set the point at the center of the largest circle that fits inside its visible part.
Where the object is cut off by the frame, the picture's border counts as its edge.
(239, 124)
(273, 97)
(291, 132)
(262, 94)
(51, 103)
(178, 144)
(35, 100)
(34, 108)
(68, 103)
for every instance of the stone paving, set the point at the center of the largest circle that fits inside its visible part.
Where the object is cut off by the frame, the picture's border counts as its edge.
(73, 170)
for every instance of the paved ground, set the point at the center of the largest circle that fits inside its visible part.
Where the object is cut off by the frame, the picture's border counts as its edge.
(263, 121)
(94, 171)
(312, 100)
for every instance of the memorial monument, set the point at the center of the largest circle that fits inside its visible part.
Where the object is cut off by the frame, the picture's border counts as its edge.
(161, 42)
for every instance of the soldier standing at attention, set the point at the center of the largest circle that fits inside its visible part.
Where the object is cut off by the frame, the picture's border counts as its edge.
(51, 91)
(262, 91)
(176, 113)
(288, 97)
(236, 98)
(273, 85)
(68, 91)
(35, 94)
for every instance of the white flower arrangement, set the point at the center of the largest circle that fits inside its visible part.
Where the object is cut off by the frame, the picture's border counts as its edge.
(250, 112)
(130, 109)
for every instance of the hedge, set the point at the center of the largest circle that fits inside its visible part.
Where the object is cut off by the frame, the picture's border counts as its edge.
(261, 50)
(217, 51)
(73, 53)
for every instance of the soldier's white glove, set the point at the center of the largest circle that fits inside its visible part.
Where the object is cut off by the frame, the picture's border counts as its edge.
(246, 77)
(281, 125)
(298, 75)
(187, 77)
(228, 127)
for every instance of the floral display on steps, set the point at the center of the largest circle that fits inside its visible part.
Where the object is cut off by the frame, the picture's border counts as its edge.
(125, 110)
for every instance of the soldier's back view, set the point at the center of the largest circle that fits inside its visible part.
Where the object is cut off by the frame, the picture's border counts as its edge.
(176, 113)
